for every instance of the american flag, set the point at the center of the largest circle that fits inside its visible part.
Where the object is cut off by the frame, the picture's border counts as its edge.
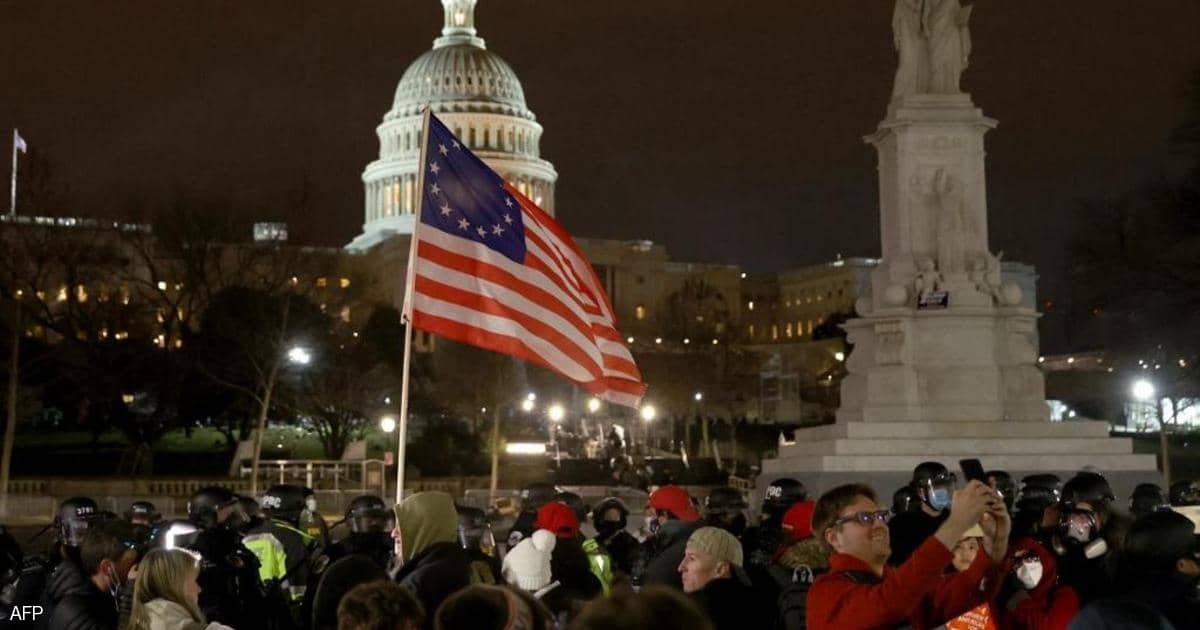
(494, 270)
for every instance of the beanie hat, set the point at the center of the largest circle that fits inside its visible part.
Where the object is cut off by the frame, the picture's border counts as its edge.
(527, 566)
(718, 544)
(797, 521)
(558, 518)
(974, 532)
(676, 501)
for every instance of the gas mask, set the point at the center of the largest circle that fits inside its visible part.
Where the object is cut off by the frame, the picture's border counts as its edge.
(1029, 573)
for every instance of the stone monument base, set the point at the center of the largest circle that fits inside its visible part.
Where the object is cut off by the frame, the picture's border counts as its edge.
(883, 454)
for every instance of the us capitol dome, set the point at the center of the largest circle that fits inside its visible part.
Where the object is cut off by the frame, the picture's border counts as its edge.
(478, 96)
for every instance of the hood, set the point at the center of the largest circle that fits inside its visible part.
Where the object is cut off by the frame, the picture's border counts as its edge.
(426, 519)
(167, 615)
(1049, 565)
(806, 553)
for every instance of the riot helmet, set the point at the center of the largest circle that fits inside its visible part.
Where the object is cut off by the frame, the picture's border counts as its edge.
(284, 502)
(174, 534)
(575, 502)
(74, 517)
(1087, 487)
(142, 513)
(780, 495)
(205, 506)
(725, 507)
(1147, 498)
(934, 484)
(474, 530)
(368, 514)
(1185, 493)
(537, 494)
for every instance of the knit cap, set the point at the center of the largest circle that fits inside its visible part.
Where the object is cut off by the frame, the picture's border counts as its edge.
(718, 544)
(527, 565)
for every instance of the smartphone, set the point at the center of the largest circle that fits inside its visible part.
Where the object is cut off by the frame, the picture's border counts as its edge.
(972, 470)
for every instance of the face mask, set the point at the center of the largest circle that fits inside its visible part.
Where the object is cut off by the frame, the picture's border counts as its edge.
(1030, 574)
(608, 528)
(939, 498)
(652, 525)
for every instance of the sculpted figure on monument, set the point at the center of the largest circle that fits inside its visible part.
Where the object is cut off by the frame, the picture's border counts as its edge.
(953, 226)
(933, 41)
(928, 279)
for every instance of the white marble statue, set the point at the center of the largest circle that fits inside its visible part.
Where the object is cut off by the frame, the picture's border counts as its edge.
(953, 226)
(933, 42)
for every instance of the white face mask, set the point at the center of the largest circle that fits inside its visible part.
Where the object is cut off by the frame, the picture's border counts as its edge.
(1030, 574)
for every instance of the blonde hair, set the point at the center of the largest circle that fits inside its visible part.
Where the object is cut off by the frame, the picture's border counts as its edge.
(163, 574)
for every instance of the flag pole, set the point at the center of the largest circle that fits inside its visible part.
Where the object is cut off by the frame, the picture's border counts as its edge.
(12, 195)
(402, 430)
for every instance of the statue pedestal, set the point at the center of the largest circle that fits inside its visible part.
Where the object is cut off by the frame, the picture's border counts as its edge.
(944, 361)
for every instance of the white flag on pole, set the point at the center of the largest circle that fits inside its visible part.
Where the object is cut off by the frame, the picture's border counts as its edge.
(19, 142)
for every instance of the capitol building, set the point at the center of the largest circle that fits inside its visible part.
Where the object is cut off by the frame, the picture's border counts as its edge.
(478, 96)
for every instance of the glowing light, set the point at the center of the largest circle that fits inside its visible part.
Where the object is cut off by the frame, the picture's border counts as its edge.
(556, 412)
(299, 355)
(1143, 390)
(840, 356)
(525, 448)
(527, 405)
(648, 412)
(387, 424)
(593, 405)
(698, 396)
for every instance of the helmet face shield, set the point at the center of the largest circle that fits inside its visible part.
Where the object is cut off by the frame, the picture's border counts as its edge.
(477, 537)
(73, 531)
(372, 522)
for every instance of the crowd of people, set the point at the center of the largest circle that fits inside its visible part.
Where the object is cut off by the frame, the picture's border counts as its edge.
(984, 553)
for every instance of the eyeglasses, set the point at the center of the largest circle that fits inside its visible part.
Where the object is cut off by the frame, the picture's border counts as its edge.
(864, 518)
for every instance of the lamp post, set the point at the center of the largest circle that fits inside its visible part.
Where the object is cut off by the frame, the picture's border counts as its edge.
(1144, 392)
(387, 424)
(556, 412)
(295, 355)
(648, 413)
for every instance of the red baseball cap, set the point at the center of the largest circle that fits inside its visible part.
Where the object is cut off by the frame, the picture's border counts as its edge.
(797, 521)
(675, 500)
(558, 518)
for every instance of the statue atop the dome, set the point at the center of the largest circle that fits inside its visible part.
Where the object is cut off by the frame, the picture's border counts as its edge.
(933, 42)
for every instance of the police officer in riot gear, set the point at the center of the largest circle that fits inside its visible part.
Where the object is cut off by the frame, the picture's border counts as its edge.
(231, 592)
(362, 556)
(142, 513)
(1002, 482)
(761, 540)
(1147, 498)
(934, 485)
(610, 517)
(725, 507)
(1088, 529)
(284, 552)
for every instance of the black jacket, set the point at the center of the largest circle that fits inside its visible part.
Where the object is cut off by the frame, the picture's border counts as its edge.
(733, 606)
(435, 574)
(909, 530)
(66, 580)
(86, 609)
(624, 549)
(664, 552)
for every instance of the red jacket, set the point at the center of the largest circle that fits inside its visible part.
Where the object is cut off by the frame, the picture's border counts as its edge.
(1049, 606)
(916, 593)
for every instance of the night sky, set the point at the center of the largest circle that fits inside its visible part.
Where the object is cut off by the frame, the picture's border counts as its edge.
(731, 131)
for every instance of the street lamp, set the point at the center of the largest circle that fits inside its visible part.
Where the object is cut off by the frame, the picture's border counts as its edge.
(531, 396)
(649, 412)
(299, 355)
(527, 405)
(1143, 390)
(839, 356)
(556, 412)
(698, 397)
(593, 405)
(387, 424)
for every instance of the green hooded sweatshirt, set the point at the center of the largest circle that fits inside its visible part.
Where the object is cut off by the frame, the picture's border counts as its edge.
(425, 519)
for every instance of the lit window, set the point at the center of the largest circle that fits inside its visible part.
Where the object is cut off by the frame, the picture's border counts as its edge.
(750, 305)
(62, 294)
(81, 294)
(179, 343)
(345, 314)
(751, 331)
(322, 282)
(344, 283)
(774, 332)
(460, 17)
(640, 311)
(162, 286)
(788, 331)
(295, 281)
